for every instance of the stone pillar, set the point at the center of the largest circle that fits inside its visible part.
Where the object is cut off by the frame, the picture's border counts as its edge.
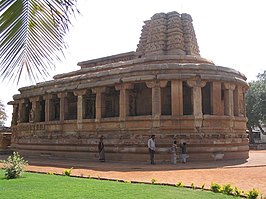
(100, 106)
(14, 113)
(196, 83)
(80, 106)
(156, 100)
(239, 101)
(229, 99)
(62, 97)
(124, 100)
(177, 97)
(21, 111)
(47, 99)
(244, 90)
(34, 112)
(216, 98)
(236, 99)
(156, 96)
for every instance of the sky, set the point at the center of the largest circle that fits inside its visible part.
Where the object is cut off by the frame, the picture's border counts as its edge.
(231, 33)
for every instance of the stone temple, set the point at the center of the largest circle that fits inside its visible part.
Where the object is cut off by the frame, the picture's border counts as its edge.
(164, 88)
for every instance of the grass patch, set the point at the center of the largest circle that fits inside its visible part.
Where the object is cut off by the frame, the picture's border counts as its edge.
(33, 185)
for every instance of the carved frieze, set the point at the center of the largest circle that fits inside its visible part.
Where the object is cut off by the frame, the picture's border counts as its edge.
(196, 82)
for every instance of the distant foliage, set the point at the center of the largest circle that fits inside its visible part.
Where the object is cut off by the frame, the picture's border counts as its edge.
(14, 166)
(3, 115)
(256, 101)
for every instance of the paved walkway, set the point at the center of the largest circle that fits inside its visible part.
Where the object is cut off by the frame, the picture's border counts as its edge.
(243, 174)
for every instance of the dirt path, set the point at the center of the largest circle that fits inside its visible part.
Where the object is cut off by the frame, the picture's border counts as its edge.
(245, 175)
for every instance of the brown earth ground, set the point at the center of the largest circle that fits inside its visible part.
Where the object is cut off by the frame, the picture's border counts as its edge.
(245, 175)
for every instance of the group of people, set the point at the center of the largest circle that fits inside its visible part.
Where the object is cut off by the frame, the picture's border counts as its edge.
(151, 147)
(173, 150)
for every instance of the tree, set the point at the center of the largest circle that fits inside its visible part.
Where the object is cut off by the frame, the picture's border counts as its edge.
(31, 36)
(3, 116)
(256, 103)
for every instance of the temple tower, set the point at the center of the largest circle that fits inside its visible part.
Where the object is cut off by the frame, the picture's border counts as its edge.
(168, 34)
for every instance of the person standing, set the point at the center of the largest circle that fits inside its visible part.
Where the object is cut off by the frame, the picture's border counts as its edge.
(151, 146)
(101, 150)
(174, 153)
(184, 152)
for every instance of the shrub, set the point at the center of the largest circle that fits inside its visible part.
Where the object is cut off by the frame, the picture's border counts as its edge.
(227, 189)
(203, 186)
(153, 180)
(192, 185)
(216, 188)
(180, 184)
(68, 172)
(14, 166)
(237, 192)
(253, 194)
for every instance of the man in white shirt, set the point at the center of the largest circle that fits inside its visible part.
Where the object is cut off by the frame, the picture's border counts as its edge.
(151, 146)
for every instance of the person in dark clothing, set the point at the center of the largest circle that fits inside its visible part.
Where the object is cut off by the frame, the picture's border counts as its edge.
(101, 150)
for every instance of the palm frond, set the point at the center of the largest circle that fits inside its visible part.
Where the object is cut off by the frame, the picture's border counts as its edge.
(32, 36)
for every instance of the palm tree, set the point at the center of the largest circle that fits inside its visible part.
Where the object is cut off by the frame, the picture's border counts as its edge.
(32, 36)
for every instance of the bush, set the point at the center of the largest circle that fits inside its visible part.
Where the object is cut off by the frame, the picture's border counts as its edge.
(203, 186)
(180, 184)
(14, 166)
(216, 188)
(227, 189)
(68, 172)
(237, 192)
(253, 194)
(153, 180)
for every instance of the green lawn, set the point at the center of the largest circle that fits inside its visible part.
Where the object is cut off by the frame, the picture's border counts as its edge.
(33, 185)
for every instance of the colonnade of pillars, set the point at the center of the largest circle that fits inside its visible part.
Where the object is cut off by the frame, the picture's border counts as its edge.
(220, 99)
